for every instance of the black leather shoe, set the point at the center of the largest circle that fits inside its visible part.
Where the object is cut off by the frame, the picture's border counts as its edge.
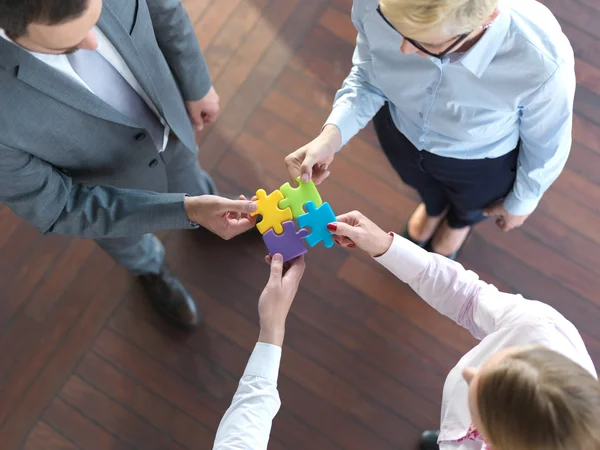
(429, 440)
(171, 299)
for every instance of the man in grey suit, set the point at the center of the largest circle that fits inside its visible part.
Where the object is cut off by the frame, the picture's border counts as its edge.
(99, 101)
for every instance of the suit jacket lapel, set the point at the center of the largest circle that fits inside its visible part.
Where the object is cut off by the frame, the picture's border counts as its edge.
(53, 83)
(58, 86)
(116, 33)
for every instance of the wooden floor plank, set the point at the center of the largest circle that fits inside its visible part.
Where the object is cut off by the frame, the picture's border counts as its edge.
(156, 378)
(584, 45)
(567, 242)
(136, 323)
(84, 327)
(587, 104)
(586, 133)
(61, 274)
(134, 396)
(311, 404)
(337, 22)
(43, 437)
(13, 253)
(531, 283)
(588, 75)
(248, 309)
(571, 213)
(88, 364)
(577, 13)
(81, 430)
(269, 57)
(398, 297)
(313, 309)
(287, 426)
(550, 263)
(25, 280)
(584, 161)
(370, 158)
(212, 20)
(196, 9)
(8, 224)
(112, 416)
(233, 34)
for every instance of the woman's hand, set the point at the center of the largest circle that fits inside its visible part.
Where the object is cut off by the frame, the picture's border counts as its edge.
(504, 220)
(312, 161)
(277, 297)
(355, 230)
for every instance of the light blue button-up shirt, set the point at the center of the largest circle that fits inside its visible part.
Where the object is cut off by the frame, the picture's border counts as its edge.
(517, 82)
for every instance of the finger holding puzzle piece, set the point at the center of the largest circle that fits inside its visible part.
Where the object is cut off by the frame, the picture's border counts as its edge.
(289, 244)
(317, 219)
(272, 215)
(296, 198)
(280, 207)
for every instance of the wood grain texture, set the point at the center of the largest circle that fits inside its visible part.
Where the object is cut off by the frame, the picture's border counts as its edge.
(87, 364)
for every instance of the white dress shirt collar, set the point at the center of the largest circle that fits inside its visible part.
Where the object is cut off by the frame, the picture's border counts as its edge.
(107, 50)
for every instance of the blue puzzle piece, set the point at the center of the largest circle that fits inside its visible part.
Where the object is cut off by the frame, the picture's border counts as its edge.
(317, 219)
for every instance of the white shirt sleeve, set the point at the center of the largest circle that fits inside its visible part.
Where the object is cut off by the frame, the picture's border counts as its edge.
(458, 293)
(247, 423)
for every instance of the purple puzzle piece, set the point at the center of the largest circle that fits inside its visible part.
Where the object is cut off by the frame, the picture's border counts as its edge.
(289, 244)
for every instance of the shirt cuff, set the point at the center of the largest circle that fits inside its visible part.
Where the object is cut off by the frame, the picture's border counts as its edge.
(518, 207)
(190, 225)
(264, 361)
(344, 117)
(404, 259)
(171, 215)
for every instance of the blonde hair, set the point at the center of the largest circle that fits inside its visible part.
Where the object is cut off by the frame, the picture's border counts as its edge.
(417, 16)
(538, 399)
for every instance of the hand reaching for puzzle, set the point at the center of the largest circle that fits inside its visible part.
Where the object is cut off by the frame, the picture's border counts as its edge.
(277, 297)
(224, 217)
(312, 161)
(355, 230)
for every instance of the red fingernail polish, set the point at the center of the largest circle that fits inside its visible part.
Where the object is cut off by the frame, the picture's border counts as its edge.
(351, 245)
(331, 226)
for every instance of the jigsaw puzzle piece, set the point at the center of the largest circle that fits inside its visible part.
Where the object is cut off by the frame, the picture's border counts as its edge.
(296, 198)
(317, 219)
(289, 244)
(272, 215)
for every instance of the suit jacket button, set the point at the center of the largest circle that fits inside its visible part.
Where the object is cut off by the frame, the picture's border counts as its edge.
(153, 163)
(140, 137)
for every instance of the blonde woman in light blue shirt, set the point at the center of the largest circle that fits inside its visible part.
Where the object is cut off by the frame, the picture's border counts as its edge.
(472, 101)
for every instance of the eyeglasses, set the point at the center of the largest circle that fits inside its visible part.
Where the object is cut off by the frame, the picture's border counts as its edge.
(417, 45)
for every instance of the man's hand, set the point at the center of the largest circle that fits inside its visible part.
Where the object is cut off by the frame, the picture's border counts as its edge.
(312, 161)
(226, 218)
(504, 219)
(204, 111)
(277, 297)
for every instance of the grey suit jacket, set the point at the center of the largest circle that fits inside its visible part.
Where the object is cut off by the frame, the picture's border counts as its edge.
(69, 163)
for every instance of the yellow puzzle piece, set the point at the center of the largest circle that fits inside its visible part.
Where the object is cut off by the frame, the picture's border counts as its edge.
(268, 208)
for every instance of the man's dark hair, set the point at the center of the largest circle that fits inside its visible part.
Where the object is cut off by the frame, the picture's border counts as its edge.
(17, 15)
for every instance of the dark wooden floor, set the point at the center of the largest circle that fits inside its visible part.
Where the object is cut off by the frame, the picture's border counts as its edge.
(85, 364)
